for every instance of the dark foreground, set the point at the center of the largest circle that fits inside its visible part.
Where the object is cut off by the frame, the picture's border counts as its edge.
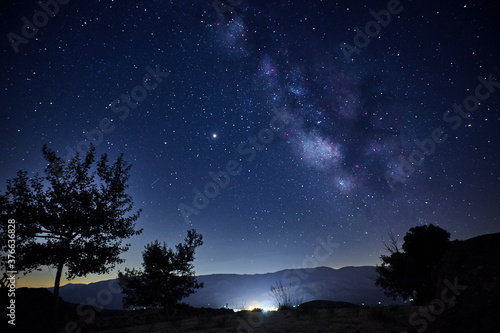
(317, 316)
(36, 315)
(346, 320)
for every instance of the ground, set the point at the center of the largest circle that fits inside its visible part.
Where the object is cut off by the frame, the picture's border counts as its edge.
(342, 320)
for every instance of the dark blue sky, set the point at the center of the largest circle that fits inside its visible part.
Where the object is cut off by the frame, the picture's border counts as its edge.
(307, 131)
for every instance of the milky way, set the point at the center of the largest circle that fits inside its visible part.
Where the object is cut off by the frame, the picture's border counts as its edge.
(343, 127)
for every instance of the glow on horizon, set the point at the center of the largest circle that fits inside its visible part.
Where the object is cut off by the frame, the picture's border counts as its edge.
(257, 307)
(45, 278)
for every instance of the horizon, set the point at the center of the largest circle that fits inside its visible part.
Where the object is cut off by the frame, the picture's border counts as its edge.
(37, 282)
(81, 280)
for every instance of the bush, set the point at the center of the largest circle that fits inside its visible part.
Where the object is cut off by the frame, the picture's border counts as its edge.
(283, 298)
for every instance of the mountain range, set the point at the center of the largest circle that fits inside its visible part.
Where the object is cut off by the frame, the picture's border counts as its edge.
(237, 291)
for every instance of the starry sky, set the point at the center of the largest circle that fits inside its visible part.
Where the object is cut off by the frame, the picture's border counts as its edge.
(271, 127)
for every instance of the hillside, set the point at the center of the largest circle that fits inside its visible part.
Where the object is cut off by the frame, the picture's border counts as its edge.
(349, 284)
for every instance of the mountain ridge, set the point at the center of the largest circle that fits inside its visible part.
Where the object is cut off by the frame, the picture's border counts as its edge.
(353, 284)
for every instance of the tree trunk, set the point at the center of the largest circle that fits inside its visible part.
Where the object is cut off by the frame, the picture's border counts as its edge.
(60, 267)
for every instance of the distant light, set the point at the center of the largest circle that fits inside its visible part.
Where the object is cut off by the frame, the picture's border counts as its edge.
(257, 306)
(214, 135)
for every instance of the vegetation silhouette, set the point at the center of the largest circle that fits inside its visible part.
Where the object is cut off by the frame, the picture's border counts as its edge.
(409, 272)
(75, 217)
(283, 296)
(167, 276)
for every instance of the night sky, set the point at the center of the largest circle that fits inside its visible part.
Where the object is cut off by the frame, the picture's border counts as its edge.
(313, 134)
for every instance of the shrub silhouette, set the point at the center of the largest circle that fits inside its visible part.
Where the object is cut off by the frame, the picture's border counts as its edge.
(283, 298)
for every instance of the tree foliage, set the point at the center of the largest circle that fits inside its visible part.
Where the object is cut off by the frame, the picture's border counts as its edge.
(75, 217)
(167, 275)
(409, 272)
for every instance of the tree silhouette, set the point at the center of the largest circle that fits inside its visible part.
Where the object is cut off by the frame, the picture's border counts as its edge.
(409, 273)
(74, 217)
(167, 275)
